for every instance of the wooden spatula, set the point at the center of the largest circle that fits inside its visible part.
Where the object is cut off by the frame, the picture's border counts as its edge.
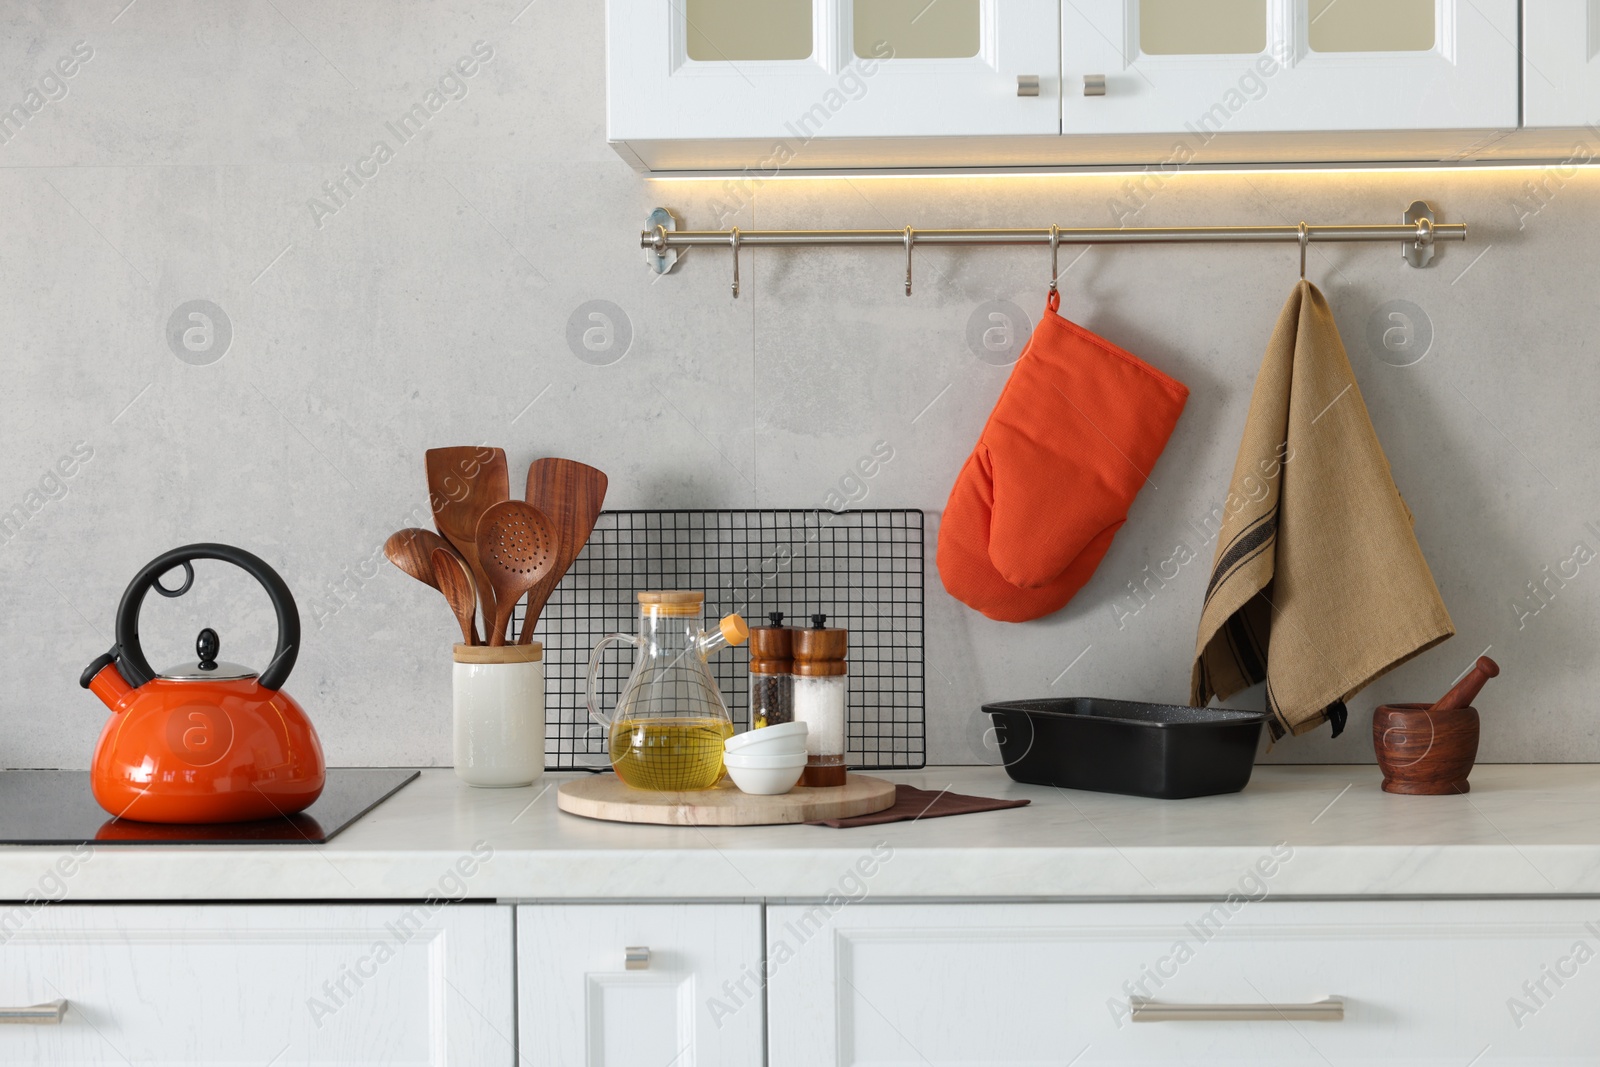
(517, 545)
(571, 495)
(462, 483)
(456, 585)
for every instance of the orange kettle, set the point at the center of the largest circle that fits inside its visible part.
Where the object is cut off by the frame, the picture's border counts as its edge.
(207, 741)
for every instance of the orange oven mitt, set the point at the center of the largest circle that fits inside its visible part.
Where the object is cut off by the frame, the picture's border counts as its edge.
(1073, 437)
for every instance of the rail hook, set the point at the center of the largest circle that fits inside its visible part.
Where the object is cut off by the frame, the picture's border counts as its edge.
(911, 238)
(1305, 242)
(1054, 299)
(733, 239)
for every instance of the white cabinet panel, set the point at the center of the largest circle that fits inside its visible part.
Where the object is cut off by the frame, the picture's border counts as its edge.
(1423, 984)
(1561, 62)
(223, 984)
(698, 1001)
(1451, 64)
(657, 88)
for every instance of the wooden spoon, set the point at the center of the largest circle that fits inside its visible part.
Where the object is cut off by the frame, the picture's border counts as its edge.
(456, 584)
(517, 545)
(411, 550)
(571, 495)
(462, 483)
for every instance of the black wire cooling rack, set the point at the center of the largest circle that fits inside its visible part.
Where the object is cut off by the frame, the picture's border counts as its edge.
(863, 569)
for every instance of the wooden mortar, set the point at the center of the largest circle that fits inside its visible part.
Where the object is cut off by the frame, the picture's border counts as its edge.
(1422, 751)
(1429, 749)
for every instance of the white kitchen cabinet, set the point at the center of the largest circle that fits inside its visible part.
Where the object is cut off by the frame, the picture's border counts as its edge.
(782, 73)
(1441, 984)
(258, 984)
(769, 86)
(1561, 63)
(692, 994)
(1254, 66)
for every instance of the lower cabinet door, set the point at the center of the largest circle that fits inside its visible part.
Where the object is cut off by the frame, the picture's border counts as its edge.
(1245, 984)
(640, 985)
(257, 984)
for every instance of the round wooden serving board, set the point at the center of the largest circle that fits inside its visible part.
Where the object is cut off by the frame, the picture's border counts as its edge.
(605, 796)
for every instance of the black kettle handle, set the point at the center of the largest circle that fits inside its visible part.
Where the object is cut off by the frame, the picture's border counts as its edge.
(131, 662)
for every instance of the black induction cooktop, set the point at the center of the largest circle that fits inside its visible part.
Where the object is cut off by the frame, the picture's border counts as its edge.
(57, 808)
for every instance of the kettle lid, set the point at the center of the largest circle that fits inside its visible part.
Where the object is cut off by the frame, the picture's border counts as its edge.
(206, 667)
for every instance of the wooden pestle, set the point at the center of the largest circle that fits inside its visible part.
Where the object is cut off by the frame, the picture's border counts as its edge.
(1465, 691)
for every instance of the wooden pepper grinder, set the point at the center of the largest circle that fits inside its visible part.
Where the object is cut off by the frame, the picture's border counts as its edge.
(1429, 749)
(821, 699)
(771, 673)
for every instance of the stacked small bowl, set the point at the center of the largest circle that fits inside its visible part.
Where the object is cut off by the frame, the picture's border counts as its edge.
(767, 761)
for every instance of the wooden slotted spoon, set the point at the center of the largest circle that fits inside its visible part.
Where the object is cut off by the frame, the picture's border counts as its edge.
(517, 547)
(456, 585)
(571, 495)
(462, 483)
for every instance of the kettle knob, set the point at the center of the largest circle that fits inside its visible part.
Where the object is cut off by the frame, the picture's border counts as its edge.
(819, 620)
(206, 646)
(775, 617)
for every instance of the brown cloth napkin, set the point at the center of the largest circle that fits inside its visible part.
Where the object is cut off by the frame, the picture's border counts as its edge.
(911, 804)
(1319, 586)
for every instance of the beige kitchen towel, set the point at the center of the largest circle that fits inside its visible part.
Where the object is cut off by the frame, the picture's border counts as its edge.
(1318, 586)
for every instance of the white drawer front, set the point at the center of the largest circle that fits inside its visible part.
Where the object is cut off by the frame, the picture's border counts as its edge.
(225, 984)
(696, 1001)
(1421, 983)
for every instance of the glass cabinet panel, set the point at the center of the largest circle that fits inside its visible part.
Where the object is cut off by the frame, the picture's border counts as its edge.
(1372, 25)
(724, 31)
(1202, 27)
(916, 29)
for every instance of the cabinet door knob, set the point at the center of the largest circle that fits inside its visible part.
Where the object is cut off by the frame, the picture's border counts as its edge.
(637, 957)
(38, 1014)
(1027, 85)
(1094, 85)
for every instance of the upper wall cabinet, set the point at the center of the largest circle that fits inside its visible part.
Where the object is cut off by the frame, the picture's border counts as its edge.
(1253, 66)
(766, 86)
(794, 70)
(1561, 62)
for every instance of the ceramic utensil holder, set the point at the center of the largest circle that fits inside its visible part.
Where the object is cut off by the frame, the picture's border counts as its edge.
(498, 698)
(1425, 752)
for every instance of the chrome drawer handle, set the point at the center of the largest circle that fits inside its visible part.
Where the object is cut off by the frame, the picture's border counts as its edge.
(38, 1015)
(1027, 85)
(1094, 85)
(1143, 1010)
(636, 957)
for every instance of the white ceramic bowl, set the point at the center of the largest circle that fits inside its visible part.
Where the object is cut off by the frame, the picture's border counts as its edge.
(784, 738)
(762, 761)
(765, 776)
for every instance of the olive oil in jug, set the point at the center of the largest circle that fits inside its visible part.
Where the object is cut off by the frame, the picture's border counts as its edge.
(669, 754)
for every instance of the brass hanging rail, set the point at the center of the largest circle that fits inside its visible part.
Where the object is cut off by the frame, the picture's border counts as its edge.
(1417, 235)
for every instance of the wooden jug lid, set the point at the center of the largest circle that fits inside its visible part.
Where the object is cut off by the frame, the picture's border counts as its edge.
(672, 601)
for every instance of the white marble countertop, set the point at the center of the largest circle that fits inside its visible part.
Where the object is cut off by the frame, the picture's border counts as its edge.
(1319, 831)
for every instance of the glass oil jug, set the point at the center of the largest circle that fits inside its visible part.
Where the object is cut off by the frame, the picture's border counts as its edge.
(667, 730)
